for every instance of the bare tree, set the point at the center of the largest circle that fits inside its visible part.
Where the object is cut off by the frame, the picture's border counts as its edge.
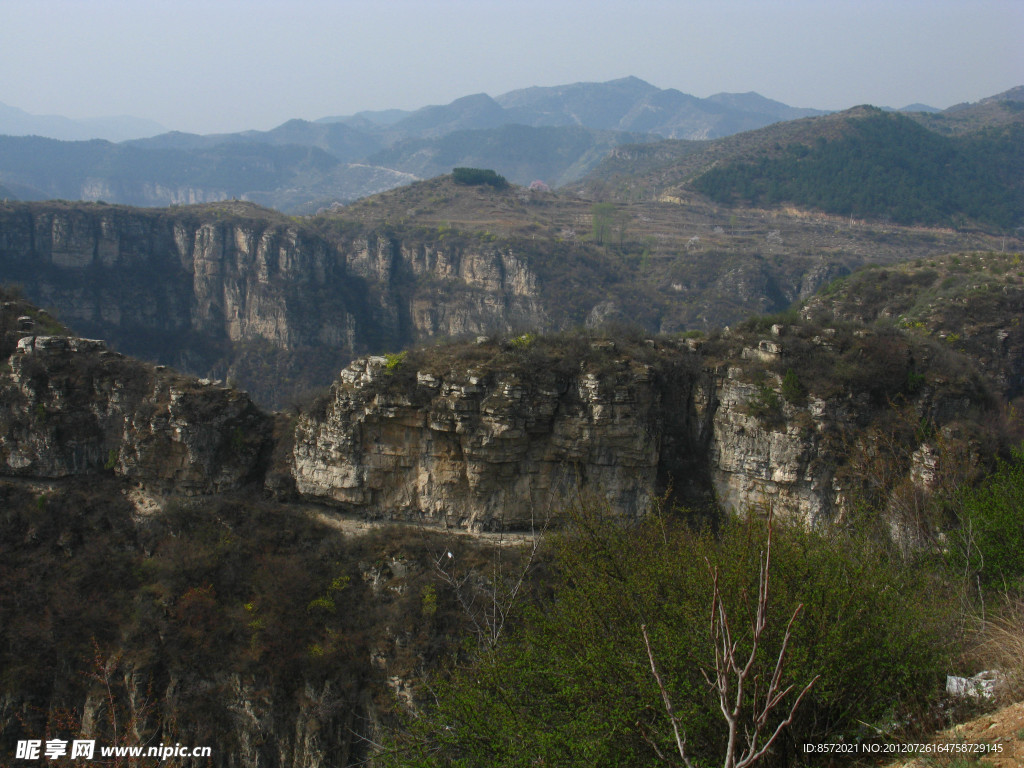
(733, 677)
(489, 609)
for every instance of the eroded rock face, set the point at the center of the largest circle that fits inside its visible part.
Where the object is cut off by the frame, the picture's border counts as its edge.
(502, 443)
(754, 465)
(72, 407)
(230, 278)
(487, 448)
(187, 284)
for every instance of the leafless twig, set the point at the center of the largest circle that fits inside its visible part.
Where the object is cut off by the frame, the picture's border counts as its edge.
(730, 678)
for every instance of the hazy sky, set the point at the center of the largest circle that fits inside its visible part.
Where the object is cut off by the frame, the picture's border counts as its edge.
(225, 65)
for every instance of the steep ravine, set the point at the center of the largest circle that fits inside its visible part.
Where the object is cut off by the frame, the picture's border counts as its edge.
(221, 616)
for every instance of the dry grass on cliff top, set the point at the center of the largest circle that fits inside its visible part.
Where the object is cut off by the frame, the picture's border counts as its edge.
(532, 356)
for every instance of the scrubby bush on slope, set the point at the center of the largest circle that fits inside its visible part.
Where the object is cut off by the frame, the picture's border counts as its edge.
(573, 686)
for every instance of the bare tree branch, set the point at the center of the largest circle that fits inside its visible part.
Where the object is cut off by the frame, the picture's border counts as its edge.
(489, 621)
(730, 680)
(667, 701)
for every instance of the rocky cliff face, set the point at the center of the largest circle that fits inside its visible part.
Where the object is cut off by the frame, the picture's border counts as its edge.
(72, 407)
(120, 270)
(499, 435)
(506, 436)
(496, 447)
(186, 285)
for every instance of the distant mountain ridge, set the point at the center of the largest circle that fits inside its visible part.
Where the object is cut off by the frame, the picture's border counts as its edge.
(17, 122)
(286, 176)
(628, 104)
(556, 155)
(960, 168)
(554, 134)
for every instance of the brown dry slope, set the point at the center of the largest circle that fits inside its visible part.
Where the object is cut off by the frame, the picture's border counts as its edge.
(1000, 732)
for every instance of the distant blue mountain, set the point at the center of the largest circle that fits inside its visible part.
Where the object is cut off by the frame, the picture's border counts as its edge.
(17, 122)
(556, 134)
(628, 104)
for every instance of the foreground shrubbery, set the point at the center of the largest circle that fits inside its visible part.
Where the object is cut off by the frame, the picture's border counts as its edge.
(573, 685)
(185, 602)
(987, 549)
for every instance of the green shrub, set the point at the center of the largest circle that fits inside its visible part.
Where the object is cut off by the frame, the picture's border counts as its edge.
(573, 686)
(523, 342)
(792, 390)
(990, 540)
(765, 406)
(429, 597)
(393, 362)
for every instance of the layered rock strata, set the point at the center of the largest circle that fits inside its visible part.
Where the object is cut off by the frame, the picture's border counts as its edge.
(72, 407)
(191, 287)
(487, 448)
(505, 442)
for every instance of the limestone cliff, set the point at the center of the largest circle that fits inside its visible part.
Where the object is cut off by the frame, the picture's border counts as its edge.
(497, 446)
(72, 407)
(191, 287)
(501, 436)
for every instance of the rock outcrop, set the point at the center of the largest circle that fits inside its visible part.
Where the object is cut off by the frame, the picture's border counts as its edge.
(507, 436)
(501, 435)
(491, 447)
(72, 407)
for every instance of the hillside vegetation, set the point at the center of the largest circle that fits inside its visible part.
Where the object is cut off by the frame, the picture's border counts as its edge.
(574, 685)
(862, 162)
(887, 166)
(970, 302)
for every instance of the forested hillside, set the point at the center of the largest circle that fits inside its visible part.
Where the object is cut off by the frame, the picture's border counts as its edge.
(886, 166)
